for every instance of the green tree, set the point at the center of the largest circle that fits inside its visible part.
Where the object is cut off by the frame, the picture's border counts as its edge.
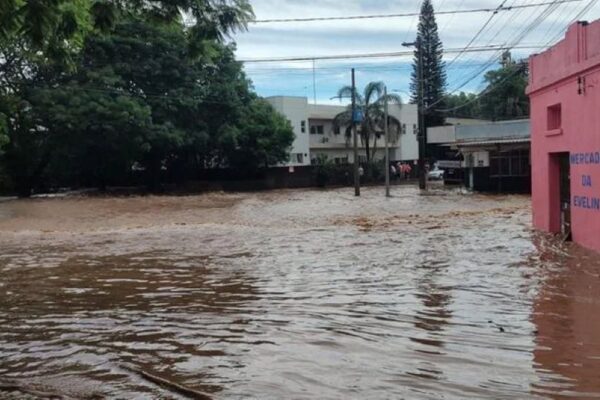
(3, 131)
(371, 105)
(463, 105)
(46, 23)
(145, 90)
(262, 139)
(96, 136)
(429, 57)
(505, 97)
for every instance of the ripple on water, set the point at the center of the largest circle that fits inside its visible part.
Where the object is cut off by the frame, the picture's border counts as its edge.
(296, 294)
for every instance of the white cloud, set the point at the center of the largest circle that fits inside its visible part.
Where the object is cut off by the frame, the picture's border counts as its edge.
(380, 35)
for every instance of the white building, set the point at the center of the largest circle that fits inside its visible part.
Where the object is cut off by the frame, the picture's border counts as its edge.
(315, 136)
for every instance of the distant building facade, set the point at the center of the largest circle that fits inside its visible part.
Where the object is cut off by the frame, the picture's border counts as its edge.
(494, 156)
(316, 136)
(564, 87)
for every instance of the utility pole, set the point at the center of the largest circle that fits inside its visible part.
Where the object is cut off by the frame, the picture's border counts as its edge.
(387, 144)
(422, 128)
(354, 134)
(314, 68)
(422, 136)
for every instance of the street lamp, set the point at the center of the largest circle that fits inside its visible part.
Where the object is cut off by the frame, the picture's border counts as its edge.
(420, 95)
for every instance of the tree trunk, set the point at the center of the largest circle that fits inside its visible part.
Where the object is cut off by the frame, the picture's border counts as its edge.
(367, 147)
(374, 148)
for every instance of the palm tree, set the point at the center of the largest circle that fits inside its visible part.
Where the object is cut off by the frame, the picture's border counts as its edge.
(371, 103)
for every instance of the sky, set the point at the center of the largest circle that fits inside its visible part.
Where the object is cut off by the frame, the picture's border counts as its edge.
(534, 28)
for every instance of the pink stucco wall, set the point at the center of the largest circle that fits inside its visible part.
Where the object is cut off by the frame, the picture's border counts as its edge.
(568, 74)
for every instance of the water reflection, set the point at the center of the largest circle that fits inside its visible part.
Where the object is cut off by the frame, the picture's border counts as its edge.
(294, 294)
(172, 316)
(567, 316)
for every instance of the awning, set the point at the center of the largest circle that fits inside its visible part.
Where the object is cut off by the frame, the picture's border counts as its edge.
(493, 142)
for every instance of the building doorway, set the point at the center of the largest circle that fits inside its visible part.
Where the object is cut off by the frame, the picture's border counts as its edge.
(564, 165)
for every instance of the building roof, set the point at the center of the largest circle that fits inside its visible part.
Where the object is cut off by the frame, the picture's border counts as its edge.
(496, 131)
(492, 142)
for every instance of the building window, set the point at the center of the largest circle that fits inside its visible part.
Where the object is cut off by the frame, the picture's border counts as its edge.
(336, 130)
(303, 126)
(510, 163)
(317, 129)
(554, 117)
(300, 158)
(415, 129)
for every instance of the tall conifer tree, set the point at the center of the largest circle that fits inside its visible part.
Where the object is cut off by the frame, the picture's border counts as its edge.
(429, 48)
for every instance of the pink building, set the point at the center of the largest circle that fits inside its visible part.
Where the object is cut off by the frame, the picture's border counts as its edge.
(564, 87)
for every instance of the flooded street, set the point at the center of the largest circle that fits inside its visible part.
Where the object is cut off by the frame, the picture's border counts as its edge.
(295, 295)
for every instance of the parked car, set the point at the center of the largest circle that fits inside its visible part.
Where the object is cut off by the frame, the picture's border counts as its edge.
(436, 175)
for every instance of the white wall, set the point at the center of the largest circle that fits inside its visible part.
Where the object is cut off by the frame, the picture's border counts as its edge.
(408, 148)
(476, 158)
(295, 109)
(441, 134)
(334, 146)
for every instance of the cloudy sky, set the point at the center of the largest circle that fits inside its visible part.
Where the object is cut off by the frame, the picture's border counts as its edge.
(533, 27)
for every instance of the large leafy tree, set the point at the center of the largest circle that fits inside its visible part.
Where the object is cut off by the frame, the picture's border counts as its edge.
(3, 130)
(155, 87)
(45, 23)
(96, 136)
(150, 64)
(463, 105)
(263, 139)
(505, 96)
(428, 59)
(371, 105)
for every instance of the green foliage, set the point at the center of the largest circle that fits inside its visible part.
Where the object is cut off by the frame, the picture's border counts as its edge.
(324, 170)
(503, 98)
(3, 131)
(429, 51)
(96, 136)
(28, 151)
(136, 97)
(463, 105)
(371, 103)
(262, 139)
(46, 24)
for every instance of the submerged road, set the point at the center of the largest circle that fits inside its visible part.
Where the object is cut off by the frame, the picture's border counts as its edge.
(294, 294)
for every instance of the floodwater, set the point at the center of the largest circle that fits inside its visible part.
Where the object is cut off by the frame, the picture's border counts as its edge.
(295, 295)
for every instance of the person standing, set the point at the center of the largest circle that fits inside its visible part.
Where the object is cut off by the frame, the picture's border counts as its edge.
(407, 171)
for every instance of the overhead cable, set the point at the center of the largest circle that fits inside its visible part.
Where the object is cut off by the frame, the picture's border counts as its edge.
(411, 14)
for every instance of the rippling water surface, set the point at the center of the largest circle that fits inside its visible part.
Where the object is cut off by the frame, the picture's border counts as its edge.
(295, 294)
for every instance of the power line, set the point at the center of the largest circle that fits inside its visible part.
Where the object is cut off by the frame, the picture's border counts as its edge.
(536, 22)
(485, 25)
(584, 10)
(383, 55)
(412, 14)
(486, 91)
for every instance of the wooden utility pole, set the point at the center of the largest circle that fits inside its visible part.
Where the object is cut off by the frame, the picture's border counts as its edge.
(422, 128)
(354, 134)
(422, 136)
(387, 144)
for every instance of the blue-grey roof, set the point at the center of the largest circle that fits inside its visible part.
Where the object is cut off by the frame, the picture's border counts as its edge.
(496, 131)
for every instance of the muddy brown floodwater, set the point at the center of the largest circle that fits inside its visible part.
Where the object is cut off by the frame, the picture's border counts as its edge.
(295, 295)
